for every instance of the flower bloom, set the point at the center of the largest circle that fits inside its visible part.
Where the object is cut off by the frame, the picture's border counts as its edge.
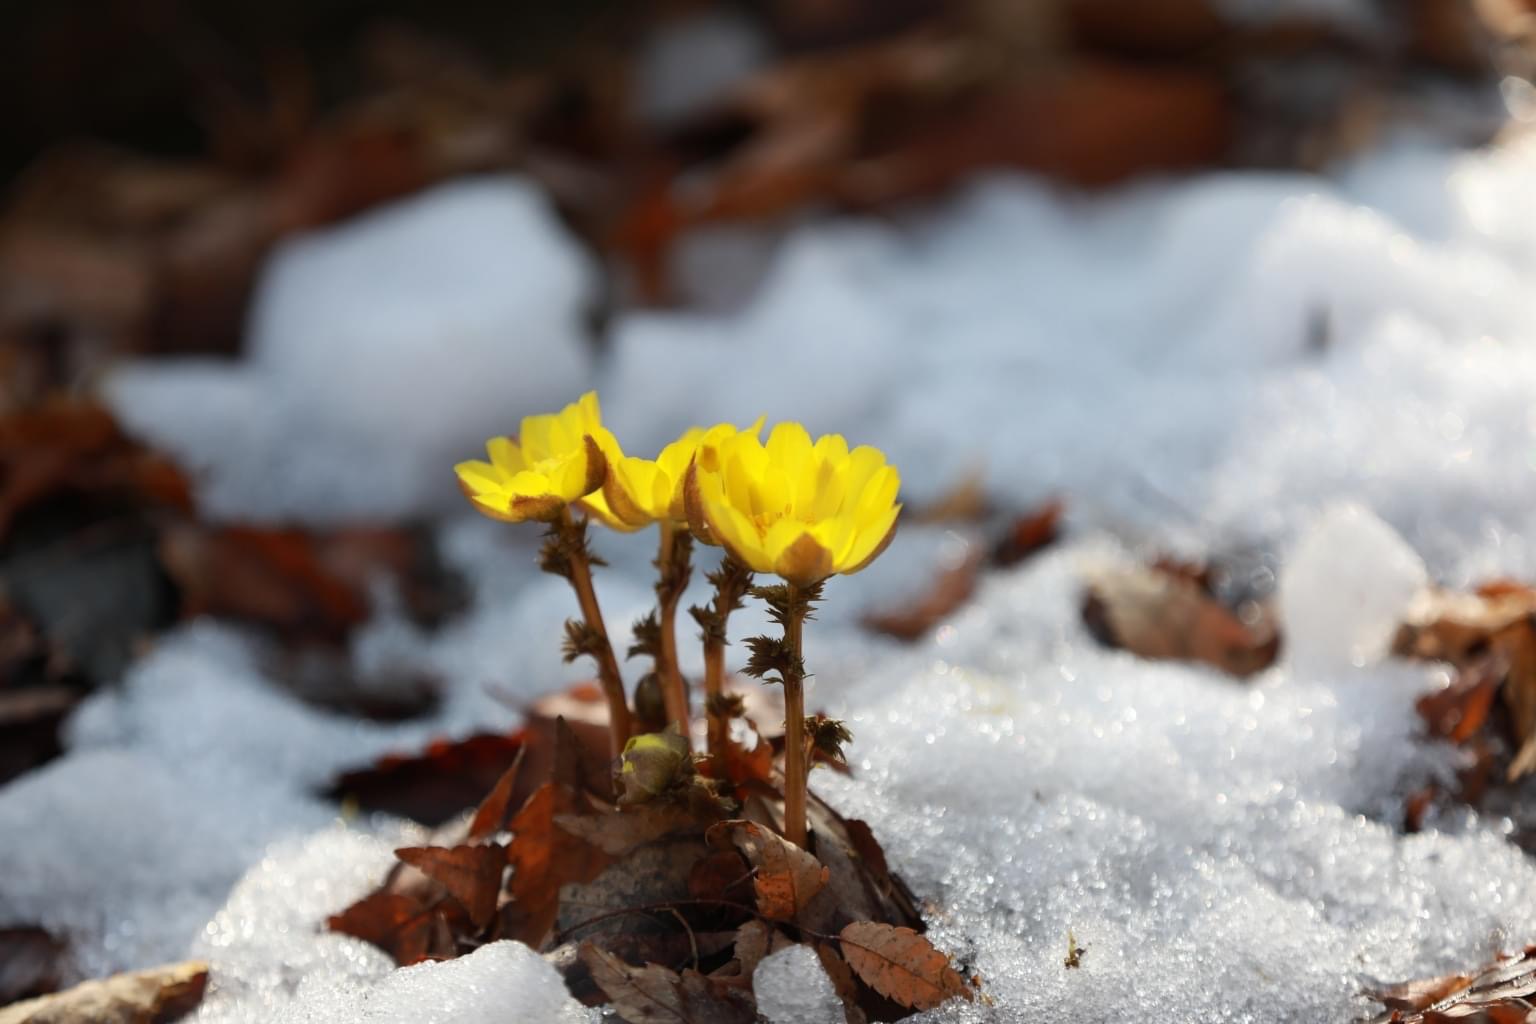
(801, 510)
(556, 459)
(637, 492)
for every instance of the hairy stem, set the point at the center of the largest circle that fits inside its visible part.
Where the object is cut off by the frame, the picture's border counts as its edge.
(795, 767)
(714, 687)
(732, 581)
(607, 665)
(674, 578)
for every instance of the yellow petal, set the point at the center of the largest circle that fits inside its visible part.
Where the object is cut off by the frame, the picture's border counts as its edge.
(505, 455)
(871, 541)
(475, 476)
(596, 507)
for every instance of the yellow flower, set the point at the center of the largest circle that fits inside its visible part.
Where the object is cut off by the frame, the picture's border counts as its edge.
(801, 510)
(638, 492)
(556, 459)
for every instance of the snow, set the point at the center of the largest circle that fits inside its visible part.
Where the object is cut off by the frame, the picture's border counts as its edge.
(792, 988)
(690, 62)
(1327, 378)
(380, 351)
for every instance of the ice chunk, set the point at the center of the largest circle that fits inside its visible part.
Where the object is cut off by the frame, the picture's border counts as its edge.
(1344, 589)
(381, 351)
(793, 988)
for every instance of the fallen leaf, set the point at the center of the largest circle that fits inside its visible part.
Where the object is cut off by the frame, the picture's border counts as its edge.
(951, 588)
(1028, 534)
(909, 116)
(448, 777)
(470, 873)
(29, 963)
(787, 877)
(399, 924)
(619, 832)
(1490, 636)
(495, 811)
(1458, 711)
(1500, 993)
(901, 965)
(545, 857)
(274, 577)
(78, 448)
(739, 764)
(1420, 994)
(1161, 614)
(721, 875)
(141, 997)
(655, 995)
(754, 941)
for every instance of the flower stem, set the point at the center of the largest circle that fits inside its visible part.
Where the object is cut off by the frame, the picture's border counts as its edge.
(714, 686)
(672, 561)
(795, 767)
(607, 665)
(731, 580)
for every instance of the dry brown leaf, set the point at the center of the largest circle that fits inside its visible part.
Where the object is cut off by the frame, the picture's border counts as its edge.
(1500, 993)
(1029, 534)
(399, 924)
(655, 995)
(142, 997)
(721, 875)
(901, 965)
(951, 588)
(754, 941)
(495, 811)
(431, 787)
(787, 877)
(1459, 711)
(1490, 635)
(619, 832)
(1421, 994)
(470, 873)
(276, 577)
(545, 857)
(1160, 614)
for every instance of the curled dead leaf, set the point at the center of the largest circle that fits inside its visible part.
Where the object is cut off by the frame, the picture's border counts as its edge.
(1163, 614)
(471, 874)
(495, 811)
(1490, 636)
(399, 924)
(619, 832)
(1028, 534)
(1500, 993)
(787, 877)
(545, 857)
(950, 589)
(655, 995)
(901, 965)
